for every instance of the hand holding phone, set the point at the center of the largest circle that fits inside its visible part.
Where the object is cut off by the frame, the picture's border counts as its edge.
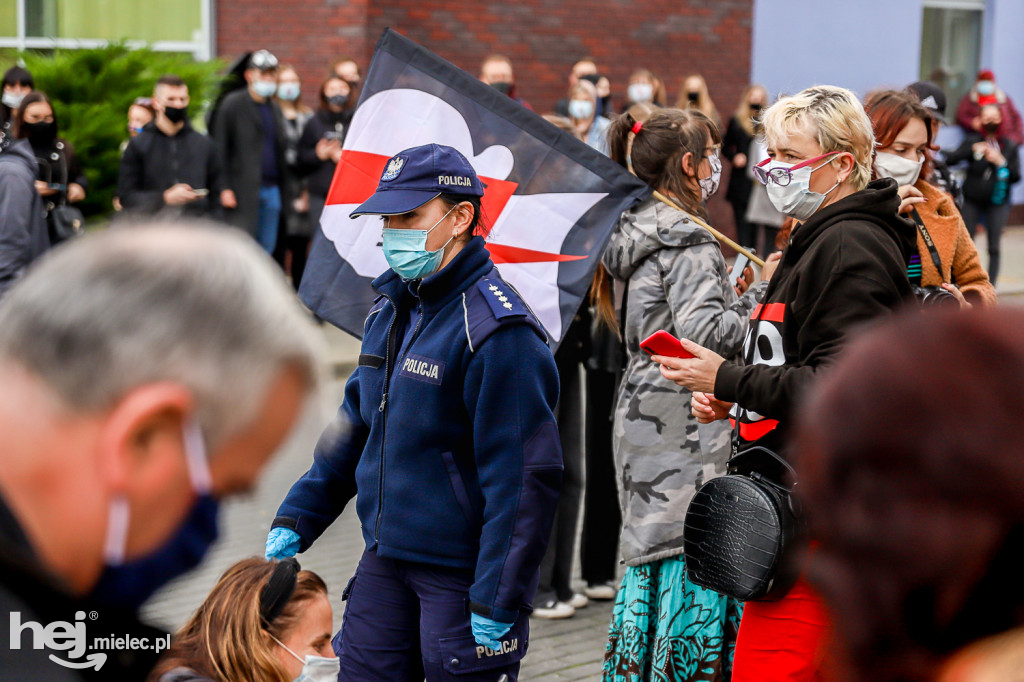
(663, 343)
(742, 260)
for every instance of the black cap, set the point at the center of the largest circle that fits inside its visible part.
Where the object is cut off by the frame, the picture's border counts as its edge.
(932, 98)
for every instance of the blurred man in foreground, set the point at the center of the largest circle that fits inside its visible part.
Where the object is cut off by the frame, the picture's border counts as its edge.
(144, 375)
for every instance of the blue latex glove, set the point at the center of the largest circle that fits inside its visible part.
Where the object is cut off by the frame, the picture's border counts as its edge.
(282, 543)
(487, 632)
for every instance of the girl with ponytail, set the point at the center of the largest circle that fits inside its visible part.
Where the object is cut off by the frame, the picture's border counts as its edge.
(664, 627)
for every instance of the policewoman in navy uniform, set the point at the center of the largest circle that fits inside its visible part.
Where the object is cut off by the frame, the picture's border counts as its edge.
(446, 437)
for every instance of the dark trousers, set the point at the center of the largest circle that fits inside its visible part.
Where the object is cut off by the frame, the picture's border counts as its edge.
(409, 621)
(994, 218)
(602, 520)
(556, 567)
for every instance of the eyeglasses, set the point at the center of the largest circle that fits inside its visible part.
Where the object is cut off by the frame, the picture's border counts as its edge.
(783, 176)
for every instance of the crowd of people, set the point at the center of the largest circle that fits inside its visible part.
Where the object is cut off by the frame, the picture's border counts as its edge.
(150, 372)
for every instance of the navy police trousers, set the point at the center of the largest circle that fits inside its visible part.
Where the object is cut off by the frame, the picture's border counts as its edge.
(409, 621)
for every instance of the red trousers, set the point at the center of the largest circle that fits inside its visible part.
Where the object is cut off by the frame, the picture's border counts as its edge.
(782, 641)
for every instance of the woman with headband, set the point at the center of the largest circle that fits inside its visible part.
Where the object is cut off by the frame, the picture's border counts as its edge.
(264, 621)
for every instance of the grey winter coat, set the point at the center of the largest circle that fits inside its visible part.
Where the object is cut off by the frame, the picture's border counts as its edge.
(677, 281)
(23, 233)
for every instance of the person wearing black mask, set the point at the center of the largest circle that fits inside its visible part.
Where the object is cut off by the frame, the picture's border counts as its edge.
(169, 165)
(59, 179)
(497, 72)
(319, 152)
(993, 167)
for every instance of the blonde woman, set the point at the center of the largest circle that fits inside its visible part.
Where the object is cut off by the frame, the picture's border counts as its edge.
(694, 95)
(587, 124)
(845, 265)
(264, 621)
(736, 147)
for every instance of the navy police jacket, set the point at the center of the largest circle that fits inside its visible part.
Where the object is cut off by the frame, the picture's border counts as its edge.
(447, 434)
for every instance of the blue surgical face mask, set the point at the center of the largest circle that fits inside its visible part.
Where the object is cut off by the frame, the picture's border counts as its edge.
(264, 88)
(288, 91)
(129, 584)
(406, 251)
(986, 88)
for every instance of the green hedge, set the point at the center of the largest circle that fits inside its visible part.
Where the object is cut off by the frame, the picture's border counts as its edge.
(91, 90)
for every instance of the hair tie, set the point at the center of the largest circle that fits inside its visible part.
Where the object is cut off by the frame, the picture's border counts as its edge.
(637, 126)
(279, 588)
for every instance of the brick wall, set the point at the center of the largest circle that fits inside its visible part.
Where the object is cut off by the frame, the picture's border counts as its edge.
(309, 34)
(543, 39)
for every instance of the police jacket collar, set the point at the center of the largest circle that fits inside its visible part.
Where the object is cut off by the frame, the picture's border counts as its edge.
(437, 290)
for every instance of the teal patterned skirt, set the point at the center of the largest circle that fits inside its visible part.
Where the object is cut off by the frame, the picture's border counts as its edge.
(666, 629)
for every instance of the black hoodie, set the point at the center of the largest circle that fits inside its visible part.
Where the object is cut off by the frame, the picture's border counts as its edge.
(845, 266)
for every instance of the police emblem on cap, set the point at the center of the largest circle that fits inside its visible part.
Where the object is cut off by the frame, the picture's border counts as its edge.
(395, 167)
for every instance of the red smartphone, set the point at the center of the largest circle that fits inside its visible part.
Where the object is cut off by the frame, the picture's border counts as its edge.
(663, 343)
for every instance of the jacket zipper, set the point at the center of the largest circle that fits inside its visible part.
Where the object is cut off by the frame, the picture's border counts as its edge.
(384, 401)
(384, 417)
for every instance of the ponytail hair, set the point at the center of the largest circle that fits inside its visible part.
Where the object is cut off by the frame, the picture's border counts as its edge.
(655, 152)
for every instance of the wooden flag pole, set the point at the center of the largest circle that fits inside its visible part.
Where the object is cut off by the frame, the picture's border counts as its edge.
(718, 235)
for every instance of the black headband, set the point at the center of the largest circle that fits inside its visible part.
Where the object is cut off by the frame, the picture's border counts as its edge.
(278, 590)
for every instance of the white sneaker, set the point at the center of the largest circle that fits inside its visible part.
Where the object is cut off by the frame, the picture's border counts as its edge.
(600, 591)
(579, 601)
(555, 610)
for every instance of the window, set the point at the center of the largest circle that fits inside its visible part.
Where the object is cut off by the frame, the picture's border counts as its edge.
(170, 25)
(951, 47)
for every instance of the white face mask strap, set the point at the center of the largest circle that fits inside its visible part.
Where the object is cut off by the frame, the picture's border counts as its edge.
(195, 458)
(115, 545)
(439, 222)
(297, 657)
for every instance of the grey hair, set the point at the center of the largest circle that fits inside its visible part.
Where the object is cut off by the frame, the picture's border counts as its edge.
(195, 304)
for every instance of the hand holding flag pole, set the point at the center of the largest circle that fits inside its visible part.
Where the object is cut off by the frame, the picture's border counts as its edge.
(718, 235)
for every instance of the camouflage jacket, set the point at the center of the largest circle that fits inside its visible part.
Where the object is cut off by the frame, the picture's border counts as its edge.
(677, 281)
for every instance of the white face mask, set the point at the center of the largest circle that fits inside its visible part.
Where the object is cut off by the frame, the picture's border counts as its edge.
(315, 668)
(709, 185)
(902, 170)
(581, 109)
(796, 199)
(11, 100)
(116, 544)
(640, 92)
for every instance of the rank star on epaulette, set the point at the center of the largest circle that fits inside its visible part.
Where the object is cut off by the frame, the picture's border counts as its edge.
(499, 293)
(493, 288)
(508, 305)
(502, 299)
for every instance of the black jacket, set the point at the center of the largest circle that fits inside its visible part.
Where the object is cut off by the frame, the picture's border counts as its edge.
(23, 233)
(238, 132)
(843, 267)
(30, 591)
(154, 162)
(319, 173)
(737, 141)
(982, 174)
